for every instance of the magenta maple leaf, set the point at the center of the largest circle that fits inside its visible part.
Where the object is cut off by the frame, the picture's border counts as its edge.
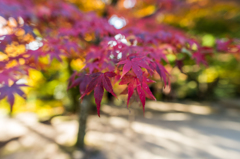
(92, 66)
(3, 64)
(223, 45)
(200, 55)
(141, 87)
(159, 68)
(97, 83)
(82, 81)
(9, 91)
(135, 63)
(10, 74)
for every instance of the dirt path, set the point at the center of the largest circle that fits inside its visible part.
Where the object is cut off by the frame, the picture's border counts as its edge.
(168, 131)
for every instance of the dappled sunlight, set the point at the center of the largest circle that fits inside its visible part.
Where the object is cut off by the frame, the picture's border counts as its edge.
(189, 108)
(28, 118)
(12, 146)
(10, 128)
(93, 137)
(175, 116)
(184, 140)
(67, 131)
(24, 136)
(233, 125)
(169, 130)
(119, 123)
(162, 134)
(114, 110)
(190, 136)
(162, 107)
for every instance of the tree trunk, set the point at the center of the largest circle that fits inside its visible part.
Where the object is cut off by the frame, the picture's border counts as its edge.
(73, 93)
(85, 106)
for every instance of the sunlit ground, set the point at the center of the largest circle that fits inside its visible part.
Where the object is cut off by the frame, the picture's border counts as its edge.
(168, 131)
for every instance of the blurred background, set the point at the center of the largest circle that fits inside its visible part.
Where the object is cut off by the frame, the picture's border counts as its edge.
(197, 118)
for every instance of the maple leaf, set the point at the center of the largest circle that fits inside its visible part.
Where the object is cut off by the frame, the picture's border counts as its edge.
(157, 54)
(7, 40)
(223, 45)
(9, 91)
(28, 30)
(34, 54)
(141, 87)
(82, 81)
(3, 64)
(159, 68)
(179, 64)
(200, 55)
(11, 73)
(200, 58)
(97, 83)
(135, 63)
(55, 46)
(92, 66)
(70, 45)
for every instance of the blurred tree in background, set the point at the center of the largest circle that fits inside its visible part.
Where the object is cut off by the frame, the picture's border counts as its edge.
(209, 20)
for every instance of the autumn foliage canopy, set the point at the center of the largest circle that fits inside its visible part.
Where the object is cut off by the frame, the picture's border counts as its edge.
(134, 56)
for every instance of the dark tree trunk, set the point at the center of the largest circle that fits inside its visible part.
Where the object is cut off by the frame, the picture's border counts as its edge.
(85, 106)
(82, 108)
(73, 93)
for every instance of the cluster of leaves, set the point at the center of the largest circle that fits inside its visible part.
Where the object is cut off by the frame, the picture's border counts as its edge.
(131, 56)
(230, 46)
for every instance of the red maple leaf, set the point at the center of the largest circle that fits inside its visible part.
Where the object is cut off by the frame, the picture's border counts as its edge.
(98, 82)
(82, 81)
(223, 45)
(200, 55)
(135, 63)
(159, 68)
(141, 87)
